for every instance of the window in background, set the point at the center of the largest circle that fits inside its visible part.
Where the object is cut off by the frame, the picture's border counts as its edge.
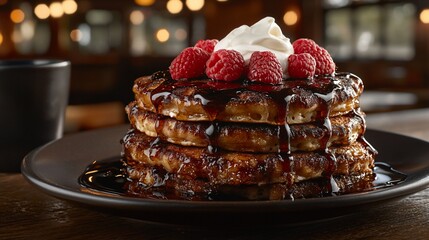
(30, 36)
(138, 39)
(97, 32)
(369, 31)
(162, 31)
(399, 31)
(339, 36)
(100, 32)
(60, 27)
(157, 33)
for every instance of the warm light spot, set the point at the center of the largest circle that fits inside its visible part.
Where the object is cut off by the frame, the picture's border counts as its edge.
(144, 2)
(290, 18)
(76, 35)
(42, 11)
(17, 16)
(195, 5)
(69, 6)
(16, 37)
(180, 34)
(162, 35)
(56, 9)
(1, 38)
(222, 0)
(174, 6)
(27, 29)
(424, 16)
(136, 17)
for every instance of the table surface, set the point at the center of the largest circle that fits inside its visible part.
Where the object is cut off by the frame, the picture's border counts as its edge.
(27, 213)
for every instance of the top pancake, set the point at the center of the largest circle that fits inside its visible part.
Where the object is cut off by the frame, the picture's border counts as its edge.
(293, 102)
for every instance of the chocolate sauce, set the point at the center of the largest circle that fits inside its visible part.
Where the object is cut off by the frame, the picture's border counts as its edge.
(105, 176)
(284, 129)
(387, 176)
(109, 176)
(214, 96)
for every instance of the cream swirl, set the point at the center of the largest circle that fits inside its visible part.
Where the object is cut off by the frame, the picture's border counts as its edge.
(264, 35)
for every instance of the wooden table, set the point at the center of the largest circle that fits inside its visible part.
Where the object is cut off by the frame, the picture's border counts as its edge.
(27, 213)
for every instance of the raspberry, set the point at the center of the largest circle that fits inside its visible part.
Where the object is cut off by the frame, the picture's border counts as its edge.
(208, 45)
(226, 65)
(301, 65)
(190, 63)
(265, 67)
(304, 45)
(324, 62)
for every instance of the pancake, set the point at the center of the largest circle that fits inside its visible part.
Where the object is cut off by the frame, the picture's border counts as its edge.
(245, 137)
(237, 168)
(173, 188)
(294, 102)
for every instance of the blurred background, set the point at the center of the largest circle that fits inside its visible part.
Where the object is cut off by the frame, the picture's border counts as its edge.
(111, 43)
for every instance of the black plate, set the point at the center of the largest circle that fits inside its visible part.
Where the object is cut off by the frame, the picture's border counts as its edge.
(56, 167)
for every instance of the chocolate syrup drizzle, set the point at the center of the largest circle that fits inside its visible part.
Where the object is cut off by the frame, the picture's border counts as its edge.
(214, 96)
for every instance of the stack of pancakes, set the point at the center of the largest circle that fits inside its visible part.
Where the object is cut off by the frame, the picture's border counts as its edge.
(203, 139)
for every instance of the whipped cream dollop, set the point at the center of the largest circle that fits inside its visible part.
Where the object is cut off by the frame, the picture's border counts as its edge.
(264, 35)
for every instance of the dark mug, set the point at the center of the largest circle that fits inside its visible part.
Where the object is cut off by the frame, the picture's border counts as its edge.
(33, 98)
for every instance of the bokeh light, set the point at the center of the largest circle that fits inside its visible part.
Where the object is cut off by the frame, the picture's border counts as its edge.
(195, 5)
(174, 6)
(17, 16)
(56, 9)
(424, 16)
(42, 11)
(69, 6)
(136, 17)
(162, 35)
(180, 34)
(290, 18)
(76, 35)
(144, 2)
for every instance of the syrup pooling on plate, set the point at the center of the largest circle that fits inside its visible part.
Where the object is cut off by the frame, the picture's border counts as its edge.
(387, 176)
(109, 176)
(106, 176)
